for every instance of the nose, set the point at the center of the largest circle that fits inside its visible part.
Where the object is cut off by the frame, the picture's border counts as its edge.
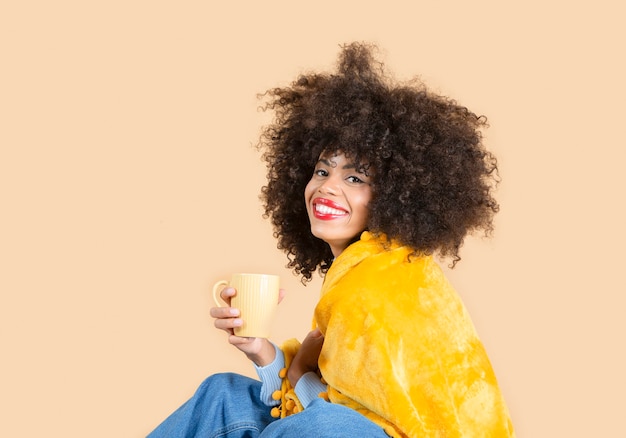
(329, 187)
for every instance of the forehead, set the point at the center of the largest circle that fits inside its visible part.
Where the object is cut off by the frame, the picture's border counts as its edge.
(334, 157)
(338, 158)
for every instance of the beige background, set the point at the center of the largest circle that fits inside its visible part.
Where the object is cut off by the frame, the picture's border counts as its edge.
(129, 184)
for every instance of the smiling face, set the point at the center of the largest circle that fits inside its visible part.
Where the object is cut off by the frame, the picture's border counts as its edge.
(336, 199)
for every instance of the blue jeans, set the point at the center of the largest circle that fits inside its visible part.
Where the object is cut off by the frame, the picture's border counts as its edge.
(228, 405)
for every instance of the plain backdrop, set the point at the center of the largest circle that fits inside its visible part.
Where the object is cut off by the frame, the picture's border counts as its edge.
(129, 184)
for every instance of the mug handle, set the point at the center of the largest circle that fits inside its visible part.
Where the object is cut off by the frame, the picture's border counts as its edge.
(215, 290)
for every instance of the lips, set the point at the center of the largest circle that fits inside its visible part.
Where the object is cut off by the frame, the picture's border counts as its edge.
(325, 209)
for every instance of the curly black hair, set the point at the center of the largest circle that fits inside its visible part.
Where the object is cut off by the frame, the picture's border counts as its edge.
(432, 178)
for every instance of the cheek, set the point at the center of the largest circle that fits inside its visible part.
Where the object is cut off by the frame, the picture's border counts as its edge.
(364, 207)
(364, 198)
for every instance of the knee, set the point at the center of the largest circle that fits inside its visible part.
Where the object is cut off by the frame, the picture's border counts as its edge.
(228, 385)
(221, 381)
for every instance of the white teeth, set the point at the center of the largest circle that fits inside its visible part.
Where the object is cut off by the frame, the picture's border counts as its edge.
(324, 209)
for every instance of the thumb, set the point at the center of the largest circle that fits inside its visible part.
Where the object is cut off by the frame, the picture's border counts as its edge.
(315, 334)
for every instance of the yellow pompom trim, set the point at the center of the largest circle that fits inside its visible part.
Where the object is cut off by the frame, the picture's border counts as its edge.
(289, 403)
(275, 412)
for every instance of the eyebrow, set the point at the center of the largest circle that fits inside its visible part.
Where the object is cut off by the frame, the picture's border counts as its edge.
(328, 163)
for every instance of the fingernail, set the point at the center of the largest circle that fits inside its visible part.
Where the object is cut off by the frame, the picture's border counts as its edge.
(233, 311)
(237, 322)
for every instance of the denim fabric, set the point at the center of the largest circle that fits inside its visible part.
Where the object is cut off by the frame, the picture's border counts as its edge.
(228, 406)
(225, 405)
(324, 420)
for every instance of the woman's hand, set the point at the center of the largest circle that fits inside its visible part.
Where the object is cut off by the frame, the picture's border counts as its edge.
(258, 350)
(307, 356)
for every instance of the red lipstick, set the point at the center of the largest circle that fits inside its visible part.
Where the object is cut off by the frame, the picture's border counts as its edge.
(325, 209)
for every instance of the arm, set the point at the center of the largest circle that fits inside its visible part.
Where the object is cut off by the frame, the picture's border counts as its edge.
(303, 371)
(258, 350)
(309, 388)
(268, 359)
(270, 376)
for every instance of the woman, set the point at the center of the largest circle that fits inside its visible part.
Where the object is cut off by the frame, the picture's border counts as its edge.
(367, 181)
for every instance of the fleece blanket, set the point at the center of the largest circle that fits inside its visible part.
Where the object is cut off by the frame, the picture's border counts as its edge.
(400, 347)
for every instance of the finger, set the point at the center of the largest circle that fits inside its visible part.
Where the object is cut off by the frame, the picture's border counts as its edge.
(313, 341)
(281, 294)
(227, 324)
(240, 340)
(227, 293)
(314, 335)
(223, 312)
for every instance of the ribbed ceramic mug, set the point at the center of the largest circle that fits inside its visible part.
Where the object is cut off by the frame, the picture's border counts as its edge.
(256, 299)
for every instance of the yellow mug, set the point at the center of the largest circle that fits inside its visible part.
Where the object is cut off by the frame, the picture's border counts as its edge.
(256, 299)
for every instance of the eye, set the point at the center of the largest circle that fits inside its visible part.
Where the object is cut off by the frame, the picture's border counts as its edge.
(355, 180)
(320, 172)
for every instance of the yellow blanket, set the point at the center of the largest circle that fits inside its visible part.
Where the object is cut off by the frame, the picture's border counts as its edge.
(400, 347)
